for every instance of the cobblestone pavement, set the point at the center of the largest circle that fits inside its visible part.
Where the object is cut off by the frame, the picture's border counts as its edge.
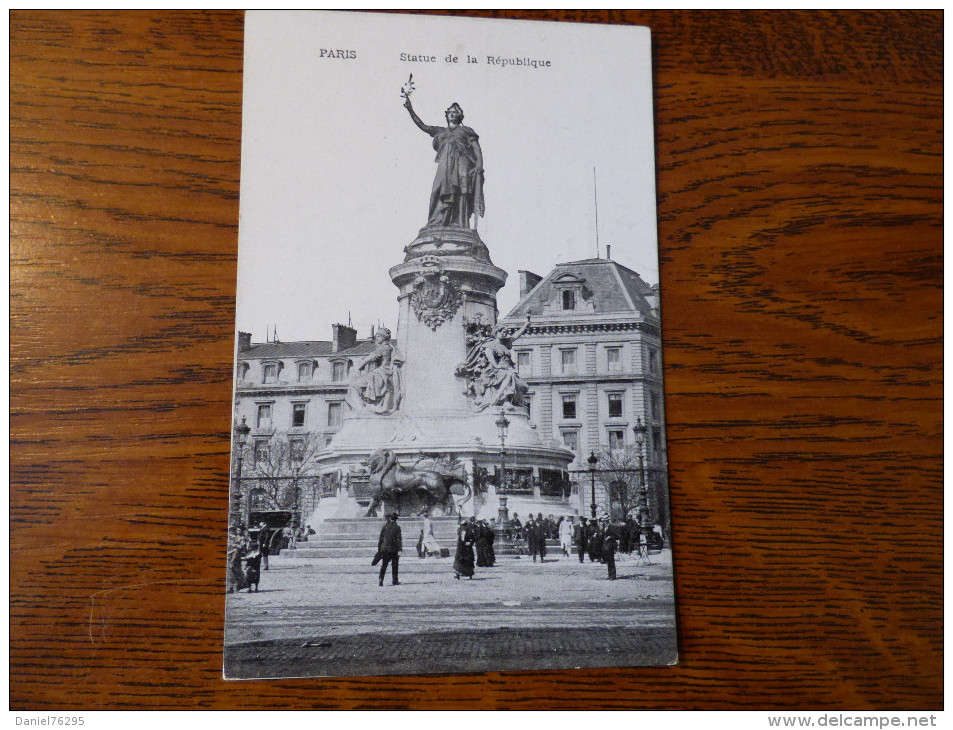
(329, 617)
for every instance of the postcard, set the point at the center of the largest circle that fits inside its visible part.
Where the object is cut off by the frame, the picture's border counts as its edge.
(448, 443)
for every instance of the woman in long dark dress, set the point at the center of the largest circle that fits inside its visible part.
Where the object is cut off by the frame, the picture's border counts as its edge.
(463, 559)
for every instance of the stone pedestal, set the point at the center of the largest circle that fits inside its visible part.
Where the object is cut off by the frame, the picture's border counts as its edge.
(446, 284)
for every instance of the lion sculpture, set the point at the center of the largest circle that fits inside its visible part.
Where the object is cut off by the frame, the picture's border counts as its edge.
(432, 483)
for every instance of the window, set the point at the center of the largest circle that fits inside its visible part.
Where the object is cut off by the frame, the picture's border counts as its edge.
(657, 440)
(614, 359)
(529, 404)
(569, 299)
(616, 439)
(655, 407)
(264, 415)
(568, 358)
(304, 372)
(571, 440)
(523, 363)
(334, 414)
(653, 360)
(297, 449)
(569, 407)
(339, 371)
(270, 371)
(297, 414)
(261, 452)
(615, 405)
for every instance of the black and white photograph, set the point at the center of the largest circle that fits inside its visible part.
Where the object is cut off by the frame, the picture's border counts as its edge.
(448, 437)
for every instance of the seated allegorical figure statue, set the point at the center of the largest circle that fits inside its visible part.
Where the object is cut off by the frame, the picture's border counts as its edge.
(490, 370)
(375, 386)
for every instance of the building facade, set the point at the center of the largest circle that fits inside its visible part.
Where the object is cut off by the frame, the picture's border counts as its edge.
(592, 359)
(291, 396)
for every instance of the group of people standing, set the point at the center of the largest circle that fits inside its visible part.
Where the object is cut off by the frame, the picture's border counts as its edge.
(248, 552)
(602, 539)
(474, 547)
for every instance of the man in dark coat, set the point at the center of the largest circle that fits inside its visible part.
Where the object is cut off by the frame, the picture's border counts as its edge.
(490, 531)
(608, 551)
(541, 540)
(389, 547)
(592, 540)
(580, 538)
(529, 529)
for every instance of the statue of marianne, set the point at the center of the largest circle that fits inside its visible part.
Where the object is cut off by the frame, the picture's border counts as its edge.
(458, 185)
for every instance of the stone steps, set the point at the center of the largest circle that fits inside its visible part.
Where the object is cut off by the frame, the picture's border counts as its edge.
(357, 538)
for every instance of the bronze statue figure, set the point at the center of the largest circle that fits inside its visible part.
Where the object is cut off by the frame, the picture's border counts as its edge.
(430, 483)
(458, 185)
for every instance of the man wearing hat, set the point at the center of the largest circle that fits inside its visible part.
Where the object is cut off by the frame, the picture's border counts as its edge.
(609, 543)
(389, 547)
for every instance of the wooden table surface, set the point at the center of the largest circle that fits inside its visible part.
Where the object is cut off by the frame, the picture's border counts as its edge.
(800, 222)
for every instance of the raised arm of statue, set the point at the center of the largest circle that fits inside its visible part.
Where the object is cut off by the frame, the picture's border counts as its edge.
(418, 121)
(521, 331)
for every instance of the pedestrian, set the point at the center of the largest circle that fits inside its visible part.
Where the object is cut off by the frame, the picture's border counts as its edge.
(463, 559)
(490, 539)
(608, 551)
(389, 546)
(581, 531)
(625, 540)
(530, 529)
(541, 535)
(592, 536)
(517, 526)
(253, 569)
(480, 544)
(635, 535)
(565, 536)
(264, 539)
(430, 545)
(235, 577)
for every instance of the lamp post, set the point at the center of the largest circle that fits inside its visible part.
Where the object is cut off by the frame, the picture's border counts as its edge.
(639, 429)
(502, 426)
(241, 435)
(593, 460)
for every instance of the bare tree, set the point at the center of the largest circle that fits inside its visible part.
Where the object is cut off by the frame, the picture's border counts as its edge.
(276, 467)
(618, 473)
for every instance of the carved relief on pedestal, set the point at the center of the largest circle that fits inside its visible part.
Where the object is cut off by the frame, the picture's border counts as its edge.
(435, 297)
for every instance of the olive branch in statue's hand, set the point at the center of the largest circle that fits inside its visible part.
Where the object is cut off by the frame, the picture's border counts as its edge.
(406, 90)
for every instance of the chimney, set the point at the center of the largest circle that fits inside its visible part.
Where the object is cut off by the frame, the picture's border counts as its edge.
(244, 341)
(342, 337)
(528, 280)
(609, 251)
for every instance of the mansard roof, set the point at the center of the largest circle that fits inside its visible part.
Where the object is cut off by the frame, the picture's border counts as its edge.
(611, 287)
(302, 350)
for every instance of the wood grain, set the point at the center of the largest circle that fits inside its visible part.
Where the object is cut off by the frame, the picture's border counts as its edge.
(800, 220)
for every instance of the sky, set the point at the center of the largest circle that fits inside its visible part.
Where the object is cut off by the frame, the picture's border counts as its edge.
(336, 177)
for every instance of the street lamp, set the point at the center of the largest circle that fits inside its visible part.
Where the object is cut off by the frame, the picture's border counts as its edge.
(593, 460)
(241, 435)
(502, 426)
(639, 429)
